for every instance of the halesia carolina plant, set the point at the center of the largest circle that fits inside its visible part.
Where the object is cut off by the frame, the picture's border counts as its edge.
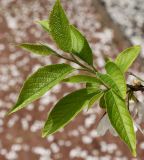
(109, 89)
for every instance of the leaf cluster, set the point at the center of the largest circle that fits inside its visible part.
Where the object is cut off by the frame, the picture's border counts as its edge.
(109, 88)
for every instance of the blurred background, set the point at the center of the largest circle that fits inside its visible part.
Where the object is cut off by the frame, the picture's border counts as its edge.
(110, 26)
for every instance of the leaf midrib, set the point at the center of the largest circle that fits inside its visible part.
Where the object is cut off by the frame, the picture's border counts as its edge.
(40, 90)
(118, 88)
(122, 121)
(80, 109)
(108, 87)
(123, 78)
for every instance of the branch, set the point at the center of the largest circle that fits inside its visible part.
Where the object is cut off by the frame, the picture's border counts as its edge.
(136, 88)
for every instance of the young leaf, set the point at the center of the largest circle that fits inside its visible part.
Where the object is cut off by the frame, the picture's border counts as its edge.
(94, 86)
(60, 28)
(65, 110)
(45, 25)
(116, 74)
(109, 83)
(39, 49)
(82, 79)
(40, 82)
(120, 119)
(127, 57)
(80, 46)
(102, 102)
(95, 98)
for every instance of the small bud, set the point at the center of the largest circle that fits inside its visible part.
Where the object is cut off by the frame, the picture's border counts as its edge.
(136, 82)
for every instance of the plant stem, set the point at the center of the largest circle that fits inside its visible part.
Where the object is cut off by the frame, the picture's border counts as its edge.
(83, 69)
(136, 88)
(60, 56)
(94, 68)
(80, 64)
(74, 60)
(130, 73)
(128, 101)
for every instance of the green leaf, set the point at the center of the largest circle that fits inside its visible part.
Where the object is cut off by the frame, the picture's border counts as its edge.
(65, 110)
(60, 28)
(94, 85)
(45, 25)
(109, 83)
(118, 77)
(40, 82)
(80, 46)
(95, 98)
(125, 59)
(120, 119)
(82, 79)
(102, 102)
(39, 49)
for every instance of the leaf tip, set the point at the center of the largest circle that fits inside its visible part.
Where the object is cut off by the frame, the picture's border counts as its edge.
(138, 48)
(44, 134)
(57, 2)
(134, 152)
(9, 112)
(21, 45)
(12, 110)
(38, 22)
